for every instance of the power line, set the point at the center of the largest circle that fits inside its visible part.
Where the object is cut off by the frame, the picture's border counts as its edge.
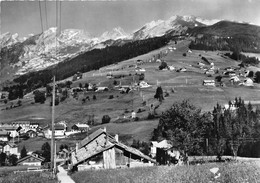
(60, 15)
(46, 18)
(41, 15)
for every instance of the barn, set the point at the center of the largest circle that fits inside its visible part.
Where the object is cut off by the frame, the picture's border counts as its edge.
(31, 160)
(103, 151)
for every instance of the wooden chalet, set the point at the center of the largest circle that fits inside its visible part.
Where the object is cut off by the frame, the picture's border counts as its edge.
(31, 160)
(101, 150)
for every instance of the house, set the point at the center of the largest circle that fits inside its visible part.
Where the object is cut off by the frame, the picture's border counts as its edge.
(247, 82)
(210, 72)
(24, 125)
(9, 128)
(103, 151)
(101, 89)
(80, 127)
(162, 145)
(4, 136)
(59, 130)
(31, 160)
(208, 82)
(234, 79)
(10, 148)
(63, 154)
(31, 133)
(143, 84)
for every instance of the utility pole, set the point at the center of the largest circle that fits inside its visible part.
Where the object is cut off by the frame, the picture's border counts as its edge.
(52, 125)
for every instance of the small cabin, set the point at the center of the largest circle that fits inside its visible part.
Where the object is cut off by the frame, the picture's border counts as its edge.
(209, 83)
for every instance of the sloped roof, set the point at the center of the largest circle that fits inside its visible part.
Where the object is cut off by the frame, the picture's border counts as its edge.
(111, 139)
(40, 158)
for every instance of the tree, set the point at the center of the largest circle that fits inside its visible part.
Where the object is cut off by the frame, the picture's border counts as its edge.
(250, 74)
(105, 119)
(257, 77)
(46, 152)
(94, 97)
(39, 97)
(163, 65)
(80, 85)
(183, 125)
(19, 102)
(12, 159)
(23, 152)
(159, 94)
(2, 159)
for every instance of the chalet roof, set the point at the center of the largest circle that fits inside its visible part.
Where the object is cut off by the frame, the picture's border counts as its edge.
(4, 133)
(112, 140)
(91, 137)
(37, 157)
(59, 127)
(11, 144)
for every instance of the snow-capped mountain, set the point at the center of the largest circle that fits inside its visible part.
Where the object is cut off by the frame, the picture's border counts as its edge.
(52, 46)
(8, 39)
(116, 33)
(178, 24)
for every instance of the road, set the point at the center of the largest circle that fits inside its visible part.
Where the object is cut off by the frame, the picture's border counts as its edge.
(63, 176)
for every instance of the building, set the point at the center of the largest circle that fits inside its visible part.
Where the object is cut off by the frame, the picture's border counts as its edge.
(10, 148)
(162, 145)
(80, 127)
(31, 160)
(32, 133)
(209, 83)
(4, 136)
(103, 151)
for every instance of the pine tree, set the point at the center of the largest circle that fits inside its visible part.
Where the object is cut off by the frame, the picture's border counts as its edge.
(23, 152)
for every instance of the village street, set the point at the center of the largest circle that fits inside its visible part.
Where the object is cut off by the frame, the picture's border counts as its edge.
(63, 176)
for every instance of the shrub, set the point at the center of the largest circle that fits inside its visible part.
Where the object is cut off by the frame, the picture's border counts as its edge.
(106, 119)
(39, 97)
(257, 77)
(94, 97)
(136, 119)
(115, 82)
(150, 116)
(251, 74)
(163, 65)
(111, 97)
(184, 54)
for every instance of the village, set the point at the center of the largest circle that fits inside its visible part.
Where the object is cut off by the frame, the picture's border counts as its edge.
(99, 149)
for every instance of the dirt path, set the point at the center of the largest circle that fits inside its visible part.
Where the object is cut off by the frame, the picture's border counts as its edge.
(63, 176)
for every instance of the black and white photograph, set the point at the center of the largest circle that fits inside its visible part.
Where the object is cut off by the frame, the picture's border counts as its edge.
(120, 91)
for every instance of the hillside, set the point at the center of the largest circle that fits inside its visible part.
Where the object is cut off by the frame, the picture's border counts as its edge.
(226, 35)
(186, 85)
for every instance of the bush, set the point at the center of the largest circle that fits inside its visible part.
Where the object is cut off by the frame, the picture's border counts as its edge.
(111, 97)
(150, 116)
(94, 97)
(163, 65)
(184, 54)
(257, 77)
(251, 74)
(39, 97)
(106, 119)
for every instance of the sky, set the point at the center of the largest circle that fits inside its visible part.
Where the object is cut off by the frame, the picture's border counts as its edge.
(96, 17)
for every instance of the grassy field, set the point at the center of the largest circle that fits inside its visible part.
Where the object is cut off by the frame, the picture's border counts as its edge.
(237, 172)
(28, 177)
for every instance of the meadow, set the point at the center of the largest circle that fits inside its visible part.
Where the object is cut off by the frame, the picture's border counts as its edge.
(7, 175)
(235, 172)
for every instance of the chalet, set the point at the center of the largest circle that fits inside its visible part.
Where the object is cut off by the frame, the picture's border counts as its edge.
(143, 84)
(209, 83)
(80, 127)
(4, 136)
(10, 148)
(59, 130)
(63, 154)
(101, 150)
(162, 145)
(31, 133)
(210, 72)
(31, 160)
(10, 129)
(101, 89)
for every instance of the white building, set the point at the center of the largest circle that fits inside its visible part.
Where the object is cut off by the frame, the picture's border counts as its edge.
(209, 82)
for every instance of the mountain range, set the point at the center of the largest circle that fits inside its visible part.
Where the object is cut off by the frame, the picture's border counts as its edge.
(22, 55)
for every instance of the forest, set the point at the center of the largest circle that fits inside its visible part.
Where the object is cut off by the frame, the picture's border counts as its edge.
(232, 131)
